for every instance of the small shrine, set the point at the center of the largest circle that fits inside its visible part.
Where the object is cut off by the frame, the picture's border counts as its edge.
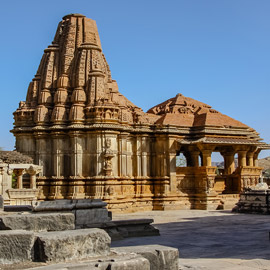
(18, 178)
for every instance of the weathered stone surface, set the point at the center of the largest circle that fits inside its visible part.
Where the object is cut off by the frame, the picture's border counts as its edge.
(135, 227)
(69, 245)
(112, 262)
(119, 229)
(16, 246)
(86, 217)
(38, 222)
(68, 205)
(51, 206)
(160, 257)
(87, 212)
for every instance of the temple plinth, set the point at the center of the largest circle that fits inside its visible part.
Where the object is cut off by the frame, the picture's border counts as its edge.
(94, 143)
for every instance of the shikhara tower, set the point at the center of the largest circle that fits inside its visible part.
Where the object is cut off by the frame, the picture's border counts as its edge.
(94, 143)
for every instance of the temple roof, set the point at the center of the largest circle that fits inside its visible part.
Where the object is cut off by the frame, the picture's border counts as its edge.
(187, 112)
(73, 84)
(14, 157)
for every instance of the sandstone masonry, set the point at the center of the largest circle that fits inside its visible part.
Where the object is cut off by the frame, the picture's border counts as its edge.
(94, 143)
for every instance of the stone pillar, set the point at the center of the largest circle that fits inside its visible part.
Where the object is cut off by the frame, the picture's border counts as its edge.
(250, 161)
(207, 157)
(242, 158)
(33, 184)
(255, 158)
(19, 174)
(33, 175)
(195, 158)
(229, 165)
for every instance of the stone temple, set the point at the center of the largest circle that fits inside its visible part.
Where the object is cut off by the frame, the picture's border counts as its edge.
(94, 143)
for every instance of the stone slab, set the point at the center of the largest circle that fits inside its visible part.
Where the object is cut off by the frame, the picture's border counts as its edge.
(38, 222)
(135, 227)
(85, 217)
(160, 257)
(16, 246)
(68, 205)
(119, 229)
(113, 262)
(69, 245)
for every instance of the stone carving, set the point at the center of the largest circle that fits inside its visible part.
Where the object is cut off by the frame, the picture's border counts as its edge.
(108, 155)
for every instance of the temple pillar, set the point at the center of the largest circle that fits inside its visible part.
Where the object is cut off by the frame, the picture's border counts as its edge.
(255, 158)
(195, 158)
(250, 161)
(19, 174)
(33, 181)
(242, 158)
(207, 161)
(33, 176)
(229, 165)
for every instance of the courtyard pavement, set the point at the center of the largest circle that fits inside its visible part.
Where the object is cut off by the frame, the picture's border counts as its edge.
(209, 240)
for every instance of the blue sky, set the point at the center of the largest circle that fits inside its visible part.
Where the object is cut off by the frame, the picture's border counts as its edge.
(217, 52)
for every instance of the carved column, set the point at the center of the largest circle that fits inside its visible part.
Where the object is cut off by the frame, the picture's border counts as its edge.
(33, 175)
(58, 186)
(242, 158)
(195, 157)
(207, 161)
(255, 158)
(250, 161)
(19, 174)
(229, 165)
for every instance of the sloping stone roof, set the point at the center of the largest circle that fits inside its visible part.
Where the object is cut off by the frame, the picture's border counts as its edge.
(14, 157)
(187, 112)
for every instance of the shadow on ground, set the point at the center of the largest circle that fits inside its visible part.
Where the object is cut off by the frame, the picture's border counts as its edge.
(237, 236)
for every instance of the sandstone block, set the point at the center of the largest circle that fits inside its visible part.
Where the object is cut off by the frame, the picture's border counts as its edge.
(68, 245)
(160, 257)
(56, 205)
(16, 246)
(38, 222)
(86, 217)
(68, 205)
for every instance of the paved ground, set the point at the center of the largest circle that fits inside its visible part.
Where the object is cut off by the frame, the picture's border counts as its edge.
(209, 240)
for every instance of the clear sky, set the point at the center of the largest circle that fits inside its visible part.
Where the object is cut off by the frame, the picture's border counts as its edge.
(217, 52)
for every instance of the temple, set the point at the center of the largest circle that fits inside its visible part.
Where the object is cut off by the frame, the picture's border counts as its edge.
(94, 143)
